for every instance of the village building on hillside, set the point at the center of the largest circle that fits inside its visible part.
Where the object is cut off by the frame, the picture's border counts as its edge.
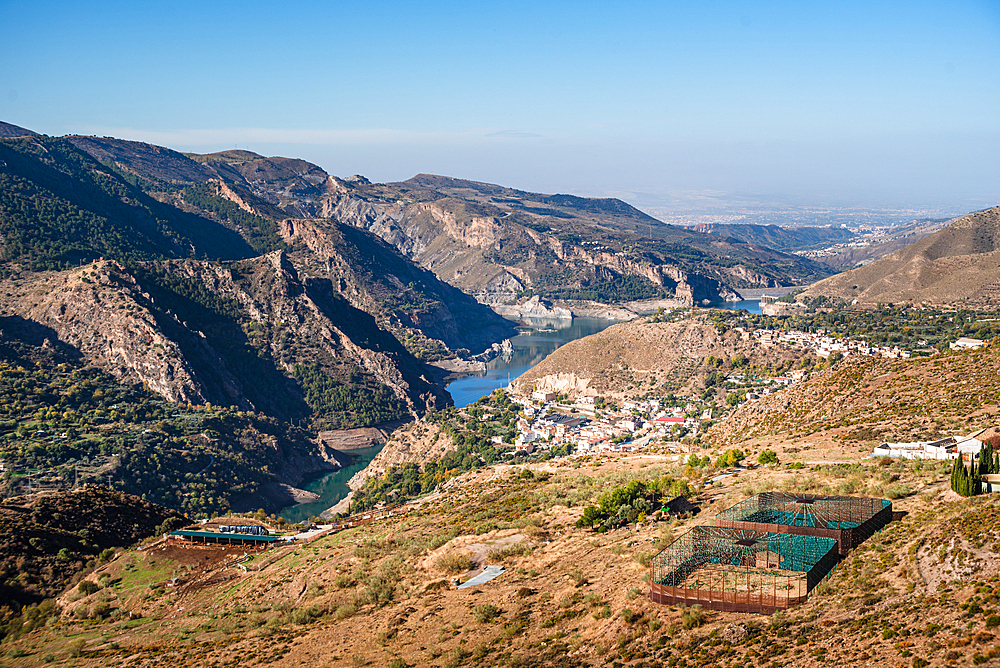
(951, 447)
(966, 343)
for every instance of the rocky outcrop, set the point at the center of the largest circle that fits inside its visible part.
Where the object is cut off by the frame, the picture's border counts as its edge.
(345, 440)
(418, 442)
(535, 307)
(101, 311)
(409, 301)
(503, 350)
(131, 326)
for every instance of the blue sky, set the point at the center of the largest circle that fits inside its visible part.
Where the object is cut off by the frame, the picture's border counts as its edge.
(811, 103)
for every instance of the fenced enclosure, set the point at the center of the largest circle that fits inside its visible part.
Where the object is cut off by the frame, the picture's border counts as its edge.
(849, 520)
(740, 570)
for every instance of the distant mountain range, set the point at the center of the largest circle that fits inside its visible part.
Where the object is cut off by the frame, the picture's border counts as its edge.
(497, 243)
(787, 239)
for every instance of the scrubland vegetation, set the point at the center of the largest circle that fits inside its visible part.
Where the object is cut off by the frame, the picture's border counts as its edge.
(927, 587)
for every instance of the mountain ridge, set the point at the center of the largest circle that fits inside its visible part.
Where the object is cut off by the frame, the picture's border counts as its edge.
(957, 265)
(516, 242)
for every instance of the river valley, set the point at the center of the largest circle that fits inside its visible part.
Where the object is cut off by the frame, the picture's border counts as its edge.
(536, 341)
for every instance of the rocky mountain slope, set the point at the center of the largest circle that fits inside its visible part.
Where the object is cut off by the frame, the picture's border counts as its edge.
(62, 205)
(495, 242)
(634, 358)
(65, 422)
(499, 243)
(957, 265)
(246, 334)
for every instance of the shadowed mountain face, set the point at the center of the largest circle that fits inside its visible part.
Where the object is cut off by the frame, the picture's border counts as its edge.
(9, 130)
(958, 265)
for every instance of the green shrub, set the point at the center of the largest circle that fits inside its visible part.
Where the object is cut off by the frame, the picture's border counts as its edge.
(692, 617)
(75, 647)
(88, 587)
(454, 563)
(629, 616)
(511, 551)
(768, 456)
(486, 612)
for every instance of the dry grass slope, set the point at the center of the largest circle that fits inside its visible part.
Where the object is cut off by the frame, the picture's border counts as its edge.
(867, 399)
(641, 356)
(927, 588)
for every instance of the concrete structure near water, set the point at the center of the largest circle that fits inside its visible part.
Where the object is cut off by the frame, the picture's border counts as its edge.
(218, 538)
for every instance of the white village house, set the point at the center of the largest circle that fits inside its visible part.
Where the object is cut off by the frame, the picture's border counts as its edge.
(951, 447)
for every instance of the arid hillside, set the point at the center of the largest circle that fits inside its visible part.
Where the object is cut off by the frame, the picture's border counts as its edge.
(382, 594)
(957, 265)
(47, 538)
(867, 399)
(633, 358)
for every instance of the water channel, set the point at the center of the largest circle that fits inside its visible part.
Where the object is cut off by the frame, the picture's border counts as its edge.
(536, 341)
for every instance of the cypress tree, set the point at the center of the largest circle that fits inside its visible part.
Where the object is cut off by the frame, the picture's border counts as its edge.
(986, 459)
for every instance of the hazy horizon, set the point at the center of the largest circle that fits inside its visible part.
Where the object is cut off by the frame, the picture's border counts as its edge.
(680, 107)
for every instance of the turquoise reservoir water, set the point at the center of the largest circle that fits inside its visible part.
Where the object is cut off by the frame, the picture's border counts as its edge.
(331, 487)
(537, 340)
(752, 305)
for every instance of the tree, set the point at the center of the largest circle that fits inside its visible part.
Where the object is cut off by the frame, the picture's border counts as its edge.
(768, 456)
(591, 516)
(729, 458)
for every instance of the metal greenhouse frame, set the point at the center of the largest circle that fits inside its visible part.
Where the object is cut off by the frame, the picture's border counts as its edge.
(740, 570)
(849, 520)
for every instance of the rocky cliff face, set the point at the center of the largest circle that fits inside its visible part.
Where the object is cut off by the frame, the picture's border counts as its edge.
(412, 303)
(418, 443)
(139, 325)
(498, 261)
(101, 310)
